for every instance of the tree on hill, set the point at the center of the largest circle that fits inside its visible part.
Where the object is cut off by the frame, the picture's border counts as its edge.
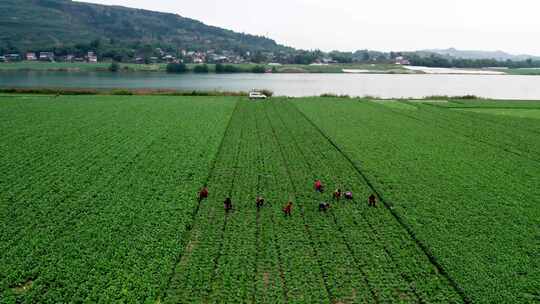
(45, 24)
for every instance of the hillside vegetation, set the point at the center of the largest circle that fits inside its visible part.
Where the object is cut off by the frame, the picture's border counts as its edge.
(46, 24)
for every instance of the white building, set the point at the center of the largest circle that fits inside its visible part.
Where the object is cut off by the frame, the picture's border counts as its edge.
(31, 56)
(46, 56)
(92, 58)
(402, 61)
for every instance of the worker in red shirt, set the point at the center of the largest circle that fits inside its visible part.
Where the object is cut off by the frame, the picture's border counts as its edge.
(372, 201)
(288, 208)
(319, 186)
(203, 194)
(337, 194)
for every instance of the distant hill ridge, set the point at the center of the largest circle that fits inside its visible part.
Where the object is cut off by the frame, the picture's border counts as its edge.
(475, 54)
(43, 24)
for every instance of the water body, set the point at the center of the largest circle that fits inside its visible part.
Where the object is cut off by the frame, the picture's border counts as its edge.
(381, 85)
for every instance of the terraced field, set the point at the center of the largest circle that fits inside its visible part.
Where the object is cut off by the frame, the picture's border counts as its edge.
(98, 201)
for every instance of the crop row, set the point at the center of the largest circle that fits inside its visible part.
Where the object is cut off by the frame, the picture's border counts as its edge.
(492, 132)
(246, 255)
(193, 275)
(109, 229)
(66, 168)
(377, 246)
(484, 110)
(350, 255)
(300, 264)
(475, 207)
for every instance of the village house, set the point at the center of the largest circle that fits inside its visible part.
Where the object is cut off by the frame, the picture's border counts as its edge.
(237, 59)
(30, 56)
(3, 59)
(168, 58)
(327, 60)
(198, 60)
(46, 56)
(13, 57)
(219, 59)
(401, 61)
(197, 57)
(91, 57)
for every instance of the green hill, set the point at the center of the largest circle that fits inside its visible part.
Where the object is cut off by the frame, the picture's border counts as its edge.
(56, 24)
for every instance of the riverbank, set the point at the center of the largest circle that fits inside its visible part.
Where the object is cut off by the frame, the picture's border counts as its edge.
(125, 92)
(375, 68)
(239, 68)
(51, 92)
(297, 85)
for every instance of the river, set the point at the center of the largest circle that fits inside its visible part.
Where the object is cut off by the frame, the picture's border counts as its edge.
(379, 85)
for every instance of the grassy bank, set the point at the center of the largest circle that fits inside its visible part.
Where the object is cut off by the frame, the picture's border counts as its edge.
(523, 71)
(242, 68)
(127, 92)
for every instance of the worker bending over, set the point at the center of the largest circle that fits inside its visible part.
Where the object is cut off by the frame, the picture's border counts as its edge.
(337, 194)
(324, 206)
(203, 194)
(260, 202)
(372, 201)
(319, 186)
(227, 204)
(287, 209)
(348, 195)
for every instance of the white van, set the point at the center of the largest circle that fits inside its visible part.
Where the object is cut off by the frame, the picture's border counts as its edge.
(257, 95)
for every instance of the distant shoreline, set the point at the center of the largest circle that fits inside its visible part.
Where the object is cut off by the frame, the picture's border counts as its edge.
(31, 66)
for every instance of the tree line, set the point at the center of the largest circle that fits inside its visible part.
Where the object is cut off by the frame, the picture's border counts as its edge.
(179, 68)
(443, 62)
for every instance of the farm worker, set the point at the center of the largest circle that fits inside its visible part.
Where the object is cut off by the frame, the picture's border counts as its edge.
(318, 186)
(337, 194)
(227, 204)
(260, 202)
(288, 208)
(324, 206)
(348, 195)
(372, 201)
(203, 193)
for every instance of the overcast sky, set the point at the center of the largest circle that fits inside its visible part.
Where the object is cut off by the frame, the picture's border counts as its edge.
(512, 26)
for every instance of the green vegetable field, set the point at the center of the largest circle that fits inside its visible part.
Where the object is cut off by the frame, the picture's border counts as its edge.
(98, 200)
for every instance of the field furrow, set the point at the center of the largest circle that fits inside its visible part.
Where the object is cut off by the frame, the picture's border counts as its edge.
(465, 201)
(388, 279)
(269, 283)
(99, 200)
(196, 270)
(86, 242)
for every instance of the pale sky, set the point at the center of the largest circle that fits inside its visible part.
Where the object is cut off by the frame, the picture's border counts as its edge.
(399, 25)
